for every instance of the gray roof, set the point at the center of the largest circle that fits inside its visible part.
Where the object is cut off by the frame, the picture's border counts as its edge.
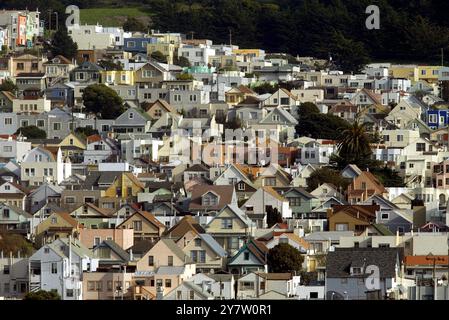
(328, 235)
(340, 261)
(165, 270)
(116, 248)
(213, 244)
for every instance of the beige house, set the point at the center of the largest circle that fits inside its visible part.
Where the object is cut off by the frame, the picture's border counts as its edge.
(107, 285)
(91, 237)
(230, 227)
(206, 252)
(145, 226)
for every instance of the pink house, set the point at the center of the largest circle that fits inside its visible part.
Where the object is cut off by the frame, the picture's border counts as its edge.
(123, 237)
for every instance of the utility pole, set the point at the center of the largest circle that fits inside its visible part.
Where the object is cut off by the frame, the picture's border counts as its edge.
(230, 36)
(49, 18)
(192, 33)
(431, 257)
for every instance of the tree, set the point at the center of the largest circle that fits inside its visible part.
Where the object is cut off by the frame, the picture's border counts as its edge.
(273, 216)
(306, 109)
(133, 24)
(326, 175)
(102, 100)
(265, 87)
(353, 147)
(159, 57)
(109, 65)
(15, 243)
(184, 76)
(312, 125)
(388, 177)
(8, 85)
(43, 295)
(181, 61)
(85, 132)
(234, 123)
(284, 258)
(349, 55)
(32, 132)
(62, 44)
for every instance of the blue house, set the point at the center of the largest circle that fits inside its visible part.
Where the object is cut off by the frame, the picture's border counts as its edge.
(137, 44)
(60, 95)
(437, 118)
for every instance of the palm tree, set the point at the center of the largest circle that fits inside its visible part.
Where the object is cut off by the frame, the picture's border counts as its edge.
(353, 146)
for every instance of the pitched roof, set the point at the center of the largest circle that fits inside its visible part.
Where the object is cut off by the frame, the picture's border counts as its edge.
(224, 192)
(339, 262)
(163, 104)
(116, 249)
(69, 219)
(257, 248)
(186, 224)
(213, 244)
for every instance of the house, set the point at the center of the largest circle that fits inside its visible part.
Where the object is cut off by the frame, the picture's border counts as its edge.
(185, 229)
(206, 252)
(169, 264)
(278, 125)
(92, 217)
(257, 205)
(86, 73)
(57, 225)
(238, 94)
(124, 238)
(351, 217)
(133, 120)
(198, 172)
(144, 225)
(6, 101)
(14, 277)
(364, 186)
(348, 273)
(300, 201)
(209, 199)
(73, 147)
(99, 149)
(219, 285)
(58, 70)
(391, 216)
(230, 228)
(13, 194)
(14, 219)
(270, 286)
(345, 110)
(188, 290)
(303, 172)
(60, 265)
(291, 238)
(351, 171)
(251, 257)
(42, 195)
(404, 113)
(158, 108)
(40, 166)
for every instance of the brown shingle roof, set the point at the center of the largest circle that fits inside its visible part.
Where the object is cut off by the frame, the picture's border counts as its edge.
(186, 224)
(224, 192)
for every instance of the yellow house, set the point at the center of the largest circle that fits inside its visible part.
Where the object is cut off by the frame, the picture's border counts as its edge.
(248, 54)
(167, 49)
(429, 73)
(409, 72)
(73, 147)
(127, 185)
(57, 225)
(123, 77)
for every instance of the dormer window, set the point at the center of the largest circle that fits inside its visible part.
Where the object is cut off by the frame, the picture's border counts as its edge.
(356, 270)
(209, 199)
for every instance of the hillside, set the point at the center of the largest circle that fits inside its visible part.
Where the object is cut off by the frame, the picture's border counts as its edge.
(411, 30)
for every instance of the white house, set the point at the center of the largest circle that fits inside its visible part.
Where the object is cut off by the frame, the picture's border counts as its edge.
(40, 165)
(60, 266)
